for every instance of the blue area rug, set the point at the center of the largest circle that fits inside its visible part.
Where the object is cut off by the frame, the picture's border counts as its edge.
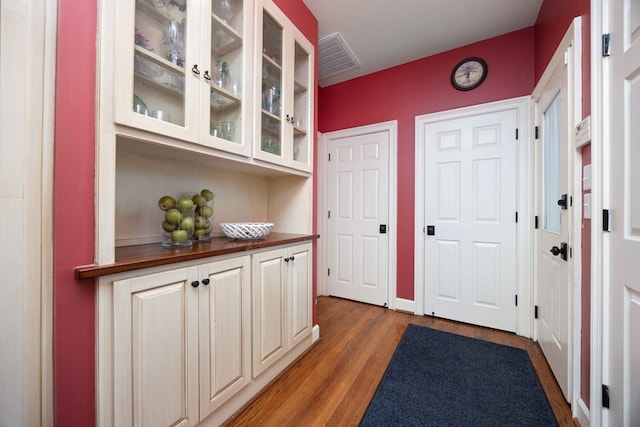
(440, 379)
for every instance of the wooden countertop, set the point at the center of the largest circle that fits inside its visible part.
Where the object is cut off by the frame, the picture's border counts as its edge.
(130, 258)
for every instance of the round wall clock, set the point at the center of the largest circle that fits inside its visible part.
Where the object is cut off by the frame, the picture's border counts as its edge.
(469, 73)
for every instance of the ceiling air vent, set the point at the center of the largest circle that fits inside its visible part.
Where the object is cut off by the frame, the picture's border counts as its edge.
(334, 56)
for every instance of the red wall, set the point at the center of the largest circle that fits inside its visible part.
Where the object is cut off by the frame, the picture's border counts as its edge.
(74, 315)
(421, 87)
(74, 371)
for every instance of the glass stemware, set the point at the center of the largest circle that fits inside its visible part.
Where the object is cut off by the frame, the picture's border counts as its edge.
(173, 39)
(224, 9)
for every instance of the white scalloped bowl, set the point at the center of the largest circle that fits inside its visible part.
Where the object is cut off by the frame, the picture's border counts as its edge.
(246, 230)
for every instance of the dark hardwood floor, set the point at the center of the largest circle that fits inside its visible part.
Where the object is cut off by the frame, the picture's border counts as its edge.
(332, 384)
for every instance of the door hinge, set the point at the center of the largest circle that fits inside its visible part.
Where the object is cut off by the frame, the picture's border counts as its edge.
(328, 214)
(328, 272)
(605, 220)
(516, 216)
(516, 300)
(570, 252)
(329, 156)
(535, 311)
(605, 396)
(516, 133)
(536, 132)
(606, 40)
(535, 222)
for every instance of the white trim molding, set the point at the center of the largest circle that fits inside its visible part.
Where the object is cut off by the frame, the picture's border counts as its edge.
(324, 141)
(523, 203)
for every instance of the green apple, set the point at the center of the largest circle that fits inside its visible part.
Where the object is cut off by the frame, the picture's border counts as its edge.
(198, 234)
(168, 227)
(185, 205)
(187, 223)
(206, 211)
(179, 236)
(173, 216)
(207, 224)
(208, 194)
(199, 200)
(167, 202)
(200, 222)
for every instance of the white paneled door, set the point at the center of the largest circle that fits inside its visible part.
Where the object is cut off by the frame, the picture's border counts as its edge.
(470, 209)
(553, 236)
(623, 143)
(358, 248)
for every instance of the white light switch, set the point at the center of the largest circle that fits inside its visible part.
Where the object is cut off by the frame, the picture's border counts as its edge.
(587, 206)
(586, 177)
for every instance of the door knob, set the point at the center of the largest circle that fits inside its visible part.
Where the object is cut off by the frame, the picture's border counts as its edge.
(562, 251)
(563, 201)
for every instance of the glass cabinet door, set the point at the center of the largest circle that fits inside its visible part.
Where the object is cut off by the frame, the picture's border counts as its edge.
(271, 87)
(301, 119)
(228, 67)
(159, 60)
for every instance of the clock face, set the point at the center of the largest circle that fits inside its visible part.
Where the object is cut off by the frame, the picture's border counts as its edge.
(468, 73)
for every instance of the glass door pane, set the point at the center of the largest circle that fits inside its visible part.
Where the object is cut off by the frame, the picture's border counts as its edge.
(271, 111)
(227, 69)
(551, 167)
(301, 118)
(160, 44)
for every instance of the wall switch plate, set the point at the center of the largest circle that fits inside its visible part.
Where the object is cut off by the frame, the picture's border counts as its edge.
(583, 132)
(586, 177)
(586, 201)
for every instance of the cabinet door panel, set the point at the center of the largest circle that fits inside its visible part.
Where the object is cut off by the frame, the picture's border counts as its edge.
(299, 287)
(269, 297)
(224, 332)
(156, 48)
(155, 350)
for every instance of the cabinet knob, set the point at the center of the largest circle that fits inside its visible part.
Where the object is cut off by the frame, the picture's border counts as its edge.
(289, 119)
(206, 75)
(286, 259)
(195, 283)
(205, 281)
(195, 70)
(292, 258)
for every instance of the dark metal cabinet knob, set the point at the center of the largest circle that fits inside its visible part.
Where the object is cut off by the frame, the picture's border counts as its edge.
(195, 283)
(205, 281)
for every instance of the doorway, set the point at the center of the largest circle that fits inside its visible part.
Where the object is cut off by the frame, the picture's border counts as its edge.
(358, 211)
(474, 278)
(557, 258)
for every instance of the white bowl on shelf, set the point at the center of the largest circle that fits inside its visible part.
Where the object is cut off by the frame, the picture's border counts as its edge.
(246, 230)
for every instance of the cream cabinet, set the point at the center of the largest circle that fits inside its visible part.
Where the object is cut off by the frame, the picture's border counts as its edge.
(181, 342)
(184, 69)
(282, 297)
(224, 330)
(285, 78)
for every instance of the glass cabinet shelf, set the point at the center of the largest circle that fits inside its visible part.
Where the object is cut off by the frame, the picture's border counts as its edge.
(298, 87)
(222, 99)
(224, 39)
(153, 70)
(162, 15)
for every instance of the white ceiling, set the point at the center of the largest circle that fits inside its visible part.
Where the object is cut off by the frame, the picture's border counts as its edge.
(385, 33)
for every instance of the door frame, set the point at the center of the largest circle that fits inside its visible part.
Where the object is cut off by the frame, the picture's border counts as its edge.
(322, 176)
(572, 39)
(524, 204)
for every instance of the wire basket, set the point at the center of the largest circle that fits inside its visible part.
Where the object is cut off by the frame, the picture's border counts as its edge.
(246, 230)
